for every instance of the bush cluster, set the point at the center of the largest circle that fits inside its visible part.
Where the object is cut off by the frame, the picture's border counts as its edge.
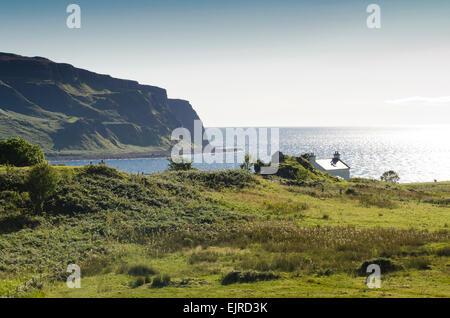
(247, 277)
(20, 153)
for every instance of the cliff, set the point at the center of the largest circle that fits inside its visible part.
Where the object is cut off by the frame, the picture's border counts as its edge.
(68, 110)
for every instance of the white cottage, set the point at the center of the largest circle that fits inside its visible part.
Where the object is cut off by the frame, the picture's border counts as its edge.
(334, 166)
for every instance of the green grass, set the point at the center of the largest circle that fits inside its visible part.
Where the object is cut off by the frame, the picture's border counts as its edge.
(178, 234)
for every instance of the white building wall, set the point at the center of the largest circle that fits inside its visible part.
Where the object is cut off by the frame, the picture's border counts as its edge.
(315, 165)
(345, 174)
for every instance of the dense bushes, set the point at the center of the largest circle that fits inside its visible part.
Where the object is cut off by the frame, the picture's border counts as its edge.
(101, 169)
(181, 165)
(161, 281)
(18, 152)
(18, 187)
(390, 177)
(13, 179)
(114, 206)
(247, 277)
(216, 179)
(386, 265)
(42, 181)
(140, 270)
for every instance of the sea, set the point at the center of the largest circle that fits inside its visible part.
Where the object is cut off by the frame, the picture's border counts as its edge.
(417, 154)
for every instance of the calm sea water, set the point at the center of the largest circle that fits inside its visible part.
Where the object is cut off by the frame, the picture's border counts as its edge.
(418, 154)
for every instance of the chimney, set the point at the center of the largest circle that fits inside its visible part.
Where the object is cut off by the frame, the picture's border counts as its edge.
(337, 156)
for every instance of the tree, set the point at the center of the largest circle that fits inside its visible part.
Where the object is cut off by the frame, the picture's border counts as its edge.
(41, 183)
(390, 176)
(181, 165)
(257, 166)
(247, 164)
(18, 152)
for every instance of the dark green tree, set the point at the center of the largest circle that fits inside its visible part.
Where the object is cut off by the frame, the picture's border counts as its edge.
(390, 176)
(247, 164)
(42, 181)
(257, 166)
(179, 165)
(18, 152)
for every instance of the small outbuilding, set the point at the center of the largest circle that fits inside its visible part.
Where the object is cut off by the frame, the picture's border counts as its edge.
(334, 166)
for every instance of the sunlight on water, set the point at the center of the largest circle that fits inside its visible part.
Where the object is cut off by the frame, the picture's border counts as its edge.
(417, 154)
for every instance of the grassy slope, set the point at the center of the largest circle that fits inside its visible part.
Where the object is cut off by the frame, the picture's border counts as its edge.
(46, 127)
(214, 222)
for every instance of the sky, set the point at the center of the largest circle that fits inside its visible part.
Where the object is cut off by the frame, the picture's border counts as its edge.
(257, 62)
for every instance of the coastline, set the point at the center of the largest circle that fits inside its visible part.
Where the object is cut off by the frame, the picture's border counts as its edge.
(129, 155)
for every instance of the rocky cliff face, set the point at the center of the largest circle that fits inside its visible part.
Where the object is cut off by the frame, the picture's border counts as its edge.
(70, 110)
(186, 115)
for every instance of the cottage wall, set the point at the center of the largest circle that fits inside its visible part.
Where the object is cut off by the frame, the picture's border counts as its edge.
(344, 173)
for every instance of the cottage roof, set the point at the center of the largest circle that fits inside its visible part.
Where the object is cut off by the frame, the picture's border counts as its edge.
(332, 164)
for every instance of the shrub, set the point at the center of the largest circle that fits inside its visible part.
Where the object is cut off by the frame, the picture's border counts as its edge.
(247, 277)
(161, 281)
(181, 165)
(74, 198)
(350, 191)
(140, 270)
(257, 165)
(247, 164)
(14, 198)
(445, 251)
(216, 179)
(138, 282)
(13, 223)
(325, 272)
(13, 180)
(386, 265)
(390, 177)
(18, 152)
(41, 183)
(101, 169)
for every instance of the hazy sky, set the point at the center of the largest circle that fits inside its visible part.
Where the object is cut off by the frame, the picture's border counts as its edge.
(259, 62)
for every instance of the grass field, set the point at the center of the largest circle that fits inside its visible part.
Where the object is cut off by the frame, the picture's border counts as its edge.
(223, 234)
